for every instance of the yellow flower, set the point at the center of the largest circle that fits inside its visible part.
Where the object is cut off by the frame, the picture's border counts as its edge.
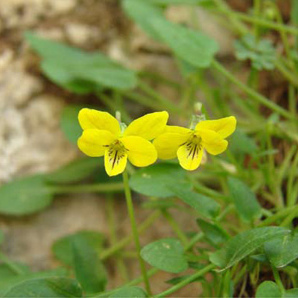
(103, 136)
(188, 145)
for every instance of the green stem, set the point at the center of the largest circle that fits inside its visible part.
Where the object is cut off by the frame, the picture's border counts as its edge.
(277, 279)
(125, 241)
(186, 281)
(286, 72)
(140, 99)
(257, 10)
(160, 79)
(135, 230)
(98, 187)
(175, 227)
(14, 267)
(166, 103)
(292, 101)
(281, 214)
(287, 222)
(253, 94)
(291, 200)
(153, 271)
(260, 21)
(242, 29)
(193, 241)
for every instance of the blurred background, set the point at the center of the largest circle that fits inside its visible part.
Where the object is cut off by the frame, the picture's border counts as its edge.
(31, 138)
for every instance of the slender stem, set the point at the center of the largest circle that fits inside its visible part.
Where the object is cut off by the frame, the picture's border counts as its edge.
(193, 241)
(281, 214)
(260, 21)
(240, 28)
(125, 241)
(257, 10)
(135, 230)
(277, 279)
(287, 222)
(98, 187)
(175, 227)
(291, 200)
(153, 271)
(253, 94)
(286, 72)
(14, 267)
(292, 100)
(186, 281)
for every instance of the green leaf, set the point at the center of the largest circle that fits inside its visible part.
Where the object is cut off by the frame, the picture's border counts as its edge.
(130, 292)
(60, 75)
(282, 251)
(63, 248)
(202, 204)
(69, 122)
(165, 254)
(244, 199)
(189, 45)
(74, 171)
(268, 289)
(240, 246)
(156, 180)
(46, 287)
(89, 269)
(56, 51)
(80, 71)
(25, 196)
(141, 12)
(260, 52)
(292, 293)
(110, 77)
(213, 232)
(12, 280)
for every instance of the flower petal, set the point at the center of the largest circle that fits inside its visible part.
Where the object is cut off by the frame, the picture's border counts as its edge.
(94, 142)
(177, 129)
(141, 152)
(167, 144)
(148, 126)
(190, 156)
(212, 141)
(93, 119)
(224, 126)
(115, 161)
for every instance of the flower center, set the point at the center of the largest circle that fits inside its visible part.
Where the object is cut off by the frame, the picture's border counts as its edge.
(193, 146)
(116, 152)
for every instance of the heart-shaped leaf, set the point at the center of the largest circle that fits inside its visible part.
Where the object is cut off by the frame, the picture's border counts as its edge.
(165, 254)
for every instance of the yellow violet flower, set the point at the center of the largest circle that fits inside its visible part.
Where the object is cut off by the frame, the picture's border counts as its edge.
(102, 136)
(188, 145)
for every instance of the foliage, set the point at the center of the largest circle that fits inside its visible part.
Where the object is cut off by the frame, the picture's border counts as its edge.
(261, 53)
(243, 203)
